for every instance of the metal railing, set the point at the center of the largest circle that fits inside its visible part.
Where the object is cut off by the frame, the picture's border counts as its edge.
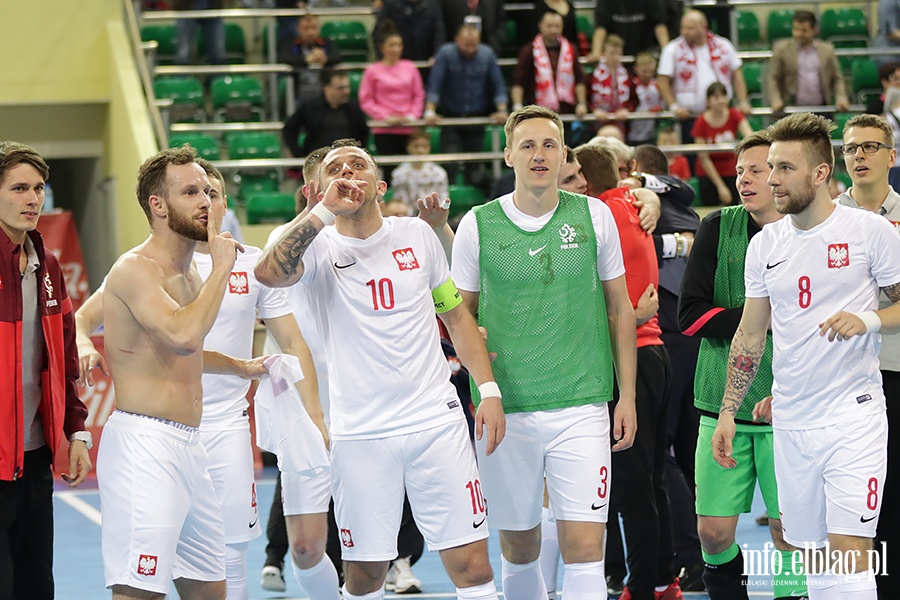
(138, 50)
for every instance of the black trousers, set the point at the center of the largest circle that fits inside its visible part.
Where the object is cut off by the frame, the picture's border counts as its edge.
(638, 481)
(889, 520)
(26, 531)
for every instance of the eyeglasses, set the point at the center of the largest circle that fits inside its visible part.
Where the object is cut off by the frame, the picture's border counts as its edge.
(867, 147)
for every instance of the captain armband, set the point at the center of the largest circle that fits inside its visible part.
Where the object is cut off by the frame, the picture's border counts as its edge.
(446, 297)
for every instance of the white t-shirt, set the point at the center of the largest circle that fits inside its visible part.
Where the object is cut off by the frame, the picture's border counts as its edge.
(694, 97)
(372, 302)
(466, 247)
(225, 396)
(808, 277)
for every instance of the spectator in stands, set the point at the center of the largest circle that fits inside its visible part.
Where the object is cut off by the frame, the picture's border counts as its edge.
(804, 71)
(413, 180)
(641, 23)
(563, 8)
(465, 81)
(718, 124)
(610, 92)
(643, 96)
(888, 35)
(487, 17)
(548, 72)
(186, 32)
(330, 116)
(678, 163)
(391, 90)
(690, 63)
(308, 53)
(889, 76)
(420, 23)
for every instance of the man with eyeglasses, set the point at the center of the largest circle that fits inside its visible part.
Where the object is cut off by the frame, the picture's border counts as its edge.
(869, 155)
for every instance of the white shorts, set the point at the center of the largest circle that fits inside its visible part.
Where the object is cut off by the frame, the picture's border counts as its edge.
(305, 493)
(231, 468)
(830, 479)
(568, 446)
(436, 467)
(161, 517)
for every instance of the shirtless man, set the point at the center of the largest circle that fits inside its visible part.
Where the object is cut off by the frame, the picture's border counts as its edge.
(161, 517)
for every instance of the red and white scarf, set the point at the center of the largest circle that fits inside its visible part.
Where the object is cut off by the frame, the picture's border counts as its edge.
(548, 93)
(609, 90)
(686, 64)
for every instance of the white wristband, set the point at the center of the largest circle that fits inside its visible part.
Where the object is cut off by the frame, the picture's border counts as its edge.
(321, 211)
(489, 389)
(871, 320)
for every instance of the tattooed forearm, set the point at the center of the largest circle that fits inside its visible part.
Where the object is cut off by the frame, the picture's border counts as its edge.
(743, 363)
(892, 292)
(282, 263)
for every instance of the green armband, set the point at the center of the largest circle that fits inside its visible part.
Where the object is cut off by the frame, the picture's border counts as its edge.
(446, 297)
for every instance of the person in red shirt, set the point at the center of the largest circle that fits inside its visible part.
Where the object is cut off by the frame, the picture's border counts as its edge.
(638, 488)
(717, 170)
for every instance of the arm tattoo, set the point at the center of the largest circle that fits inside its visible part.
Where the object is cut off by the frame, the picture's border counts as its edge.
(892, 292)
(287, 252)
(743, 363)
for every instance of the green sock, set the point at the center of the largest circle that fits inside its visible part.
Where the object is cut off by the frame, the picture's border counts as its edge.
(722, 557)
(790, 583)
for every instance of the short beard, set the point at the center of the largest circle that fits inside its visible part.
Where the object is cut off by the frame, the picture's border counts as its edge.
(799, 200)
(185, 227)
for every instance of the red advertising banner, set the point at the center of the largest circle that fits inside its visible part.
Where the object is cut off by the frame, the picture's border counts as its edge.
(61, 238)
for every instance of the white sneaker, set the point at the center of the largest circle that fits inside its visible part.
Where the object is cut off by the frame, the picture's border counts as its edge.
(272, 579)
(401, 579)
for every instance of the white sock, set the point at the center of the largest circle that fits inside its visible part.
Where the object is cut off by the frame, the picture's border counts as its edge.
(857, 586)
(485, 591)
(584, 581)
(549, 550)
(822, 586)
(376, 595)
(236, 571)
(524, 582)
(319, 582)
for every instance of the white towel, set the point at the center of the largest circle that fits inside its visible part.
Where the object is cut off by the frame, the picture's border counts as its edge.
(282, 425)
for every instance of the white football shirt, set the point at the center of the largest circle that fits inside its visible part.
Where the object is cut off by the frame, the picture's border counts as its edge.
(809, 276)
(225, 396)
(372, 302)
(466, 247)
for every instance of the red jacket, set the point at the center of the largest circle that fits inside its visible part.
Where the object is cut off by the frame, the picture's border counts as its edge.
(62, 413)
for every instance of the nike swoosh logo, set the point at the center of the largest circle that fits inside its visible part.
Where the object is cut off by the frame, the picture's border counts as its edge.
(595, 507)
(477, 524)
(533, 252)
(768, 266)
(254, 522)
(337, 266)
(865, 520)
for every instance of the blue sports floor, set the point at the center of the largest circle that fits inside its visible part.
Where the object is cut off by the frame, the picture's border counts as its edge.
(78, 565)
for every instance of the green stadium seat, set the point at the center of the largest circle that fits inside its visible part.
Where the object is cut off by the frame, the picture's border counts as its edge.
(748, 30)
(206, 145)
(435, 133)
(355, 79)
(846, 62)
(844, 23)
(779, 24)
(270, 207)
(694, 182)
(510, 44)
(864, 75)
(254, 145)
(585, 26)
(488, 145)
(235, 44)
(237, 98)
(350, 36)
(840, 119)
(463, 197)
(254, 182)
(757, 122)
(844, 177)
(167, 41)
(186, 94)
(753, 75)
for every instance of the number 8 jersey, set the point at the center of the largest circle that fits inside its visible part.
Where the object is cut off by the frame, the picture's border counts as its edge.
(809, 276)
(372, 301)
